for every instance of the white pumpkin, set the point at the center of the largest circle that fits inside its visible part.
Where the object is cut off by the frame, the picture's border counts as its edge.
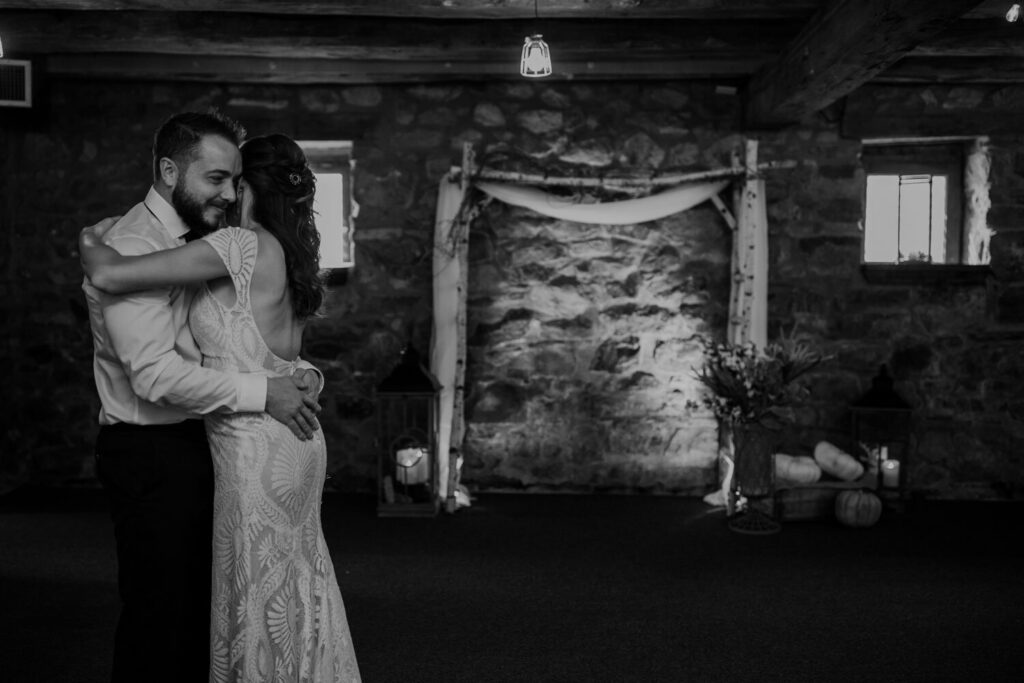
(858, 508)
(837, 462)
(796, 469)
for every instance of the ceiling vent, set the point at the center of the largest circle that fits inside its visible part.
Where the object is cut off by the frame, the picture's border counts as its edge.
(15, 83)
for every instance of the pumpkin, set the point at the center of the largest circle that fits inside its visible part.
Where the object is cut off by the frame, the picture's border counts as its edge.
(858, 508)
(796, 469)
(836, 462)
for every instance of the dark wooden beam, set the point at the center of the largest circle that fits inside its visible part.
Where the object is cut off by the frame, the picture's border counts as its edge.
(337, 37)
(237, 69)
(844, 45)
(975, 38)
(931, 112)
(133, 31)
(458, 9)
(954, 70)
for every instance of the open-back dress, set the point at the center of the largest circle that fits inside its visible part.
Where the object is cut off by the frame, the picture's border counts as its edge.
(277, 612)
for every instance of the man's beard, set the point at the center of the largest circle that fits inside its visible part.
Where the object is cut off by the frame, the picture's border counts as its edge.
(192, 210)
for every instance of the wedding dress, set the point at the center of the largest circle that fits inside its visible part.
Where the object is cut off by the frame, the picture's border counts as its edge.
(277, 613)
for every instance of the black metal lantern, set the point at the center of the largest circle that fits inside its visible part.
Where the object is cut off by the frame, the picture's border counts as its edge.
(407, 422)
(881, 428)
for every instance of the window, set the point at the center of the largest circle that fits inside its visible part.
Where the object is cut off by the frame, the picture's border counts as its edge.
(332, 164)
(914, 204)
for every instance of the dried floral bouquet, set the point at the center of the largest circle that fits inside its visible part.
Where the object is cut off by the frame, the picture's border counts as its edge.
(748, 386)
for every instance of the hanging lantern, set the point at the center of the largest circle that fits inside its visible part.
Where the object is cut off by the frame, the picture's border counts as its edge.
(536, 61)
(882, 426)
(407, 422)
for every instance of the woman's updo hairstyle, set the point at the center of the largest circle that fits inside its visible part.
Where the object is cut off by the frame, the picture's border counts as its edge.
(283, 188)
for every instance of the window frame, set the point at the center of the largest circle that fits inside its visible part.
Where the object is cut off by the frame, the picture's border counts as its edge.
(934, 159)
(335, 156)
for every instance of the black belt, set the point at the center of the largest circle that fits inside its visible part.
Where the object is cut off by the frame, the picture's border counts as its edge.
(190, 426)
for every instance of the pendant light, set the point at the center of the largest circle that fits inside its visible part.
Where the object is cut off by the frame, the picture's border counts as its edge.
(1013, 14)
(536, 59)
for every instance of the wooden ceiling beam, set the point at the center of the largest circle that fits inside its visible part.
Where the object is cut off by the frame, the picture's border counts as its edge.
(911, 116)
(458, 9)
(847, 44)
(975, 38)
(239, 69)
(368, 38)
(953, 70)
(844, 45)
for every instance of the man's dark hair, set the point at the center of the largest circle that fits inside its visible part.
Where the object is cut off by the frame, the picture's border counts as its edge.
(179, 136)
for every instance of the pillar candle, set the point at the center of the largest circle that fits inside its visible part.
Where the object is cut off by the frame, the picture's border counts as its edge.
(891, 474)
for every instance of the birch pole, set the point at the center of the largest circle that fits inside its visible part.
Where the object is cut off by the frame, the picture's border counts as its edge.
(734, 333)
(460, 234)
(747, 245)
(757, 219)
(748, 293)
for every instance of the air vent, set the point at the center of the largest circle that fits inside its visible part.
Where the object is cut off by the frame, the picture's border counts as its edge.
(15, 83)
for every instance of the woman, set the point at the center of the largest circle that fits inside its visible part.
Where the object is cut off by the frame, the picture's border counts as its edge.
(277, 612)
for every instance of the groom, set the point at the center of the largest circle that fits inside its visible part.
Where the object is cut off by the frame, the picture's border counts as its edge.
(151, 453)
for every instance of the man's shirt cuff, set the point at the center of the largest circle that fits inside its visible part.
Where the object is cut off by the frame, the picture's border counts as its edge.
(252, 393)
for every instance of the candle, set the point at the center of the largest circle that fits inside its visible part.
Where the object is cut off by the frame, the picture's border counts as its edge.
(891, 474)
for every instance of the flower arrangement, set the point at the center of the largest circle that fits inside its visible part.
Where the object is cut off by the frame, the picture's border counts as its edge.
(751, 386)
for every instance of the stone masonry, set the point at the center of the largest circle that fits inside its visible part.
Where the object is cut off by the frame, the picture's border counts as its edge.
(581, 338)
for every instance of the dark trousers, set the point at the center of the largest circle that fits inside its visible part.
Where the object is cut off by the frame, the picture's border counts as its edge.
(160, 483)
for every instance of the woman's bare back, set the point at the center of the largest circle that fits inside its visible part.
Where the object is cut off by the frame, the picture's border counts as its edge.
(269, 297)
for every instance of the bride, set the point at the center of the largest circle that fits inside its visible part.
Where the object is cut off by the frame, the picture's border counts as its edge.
(277, 612)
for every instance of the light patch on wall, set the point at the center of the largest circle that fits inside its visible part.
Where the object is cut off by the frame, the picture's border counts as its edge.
(332, 165)
(906, 219)
(335, 237)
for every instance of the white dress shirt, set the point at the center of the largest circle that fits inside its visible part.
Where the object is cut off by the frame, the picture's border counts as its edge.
(147, 366)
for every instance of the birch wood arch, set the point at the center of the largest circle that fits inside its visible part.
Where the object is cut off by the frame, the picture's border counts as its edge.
(748, 298)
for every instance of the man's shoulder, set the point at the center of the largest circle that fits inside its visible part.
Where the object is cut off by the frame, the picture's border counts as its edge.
(138, 232)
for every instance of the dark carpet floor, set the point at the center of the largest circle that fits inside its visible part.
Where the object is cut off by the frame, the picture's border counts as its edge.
(583, 588)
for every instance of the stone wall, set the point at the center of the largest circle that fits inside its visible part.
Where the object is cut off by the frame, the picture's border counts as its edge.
(953, 349)
(580, 337)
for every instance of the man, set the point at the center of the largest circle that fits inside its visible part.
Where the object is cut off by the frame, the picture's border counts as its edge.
(152, 455)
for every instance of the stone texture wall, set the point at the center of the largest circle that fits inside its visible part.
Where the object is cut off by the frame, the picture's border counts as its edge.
(580, 337)
(581, 340)
(953, 349)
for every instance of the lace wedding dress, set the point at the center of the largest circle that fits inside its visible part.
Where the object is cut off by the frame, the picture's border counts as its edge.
(277, 612)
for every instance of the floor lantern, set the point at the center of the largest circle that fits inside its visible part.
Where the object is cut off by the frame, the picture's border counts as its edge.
(882, 428)
(407, 422)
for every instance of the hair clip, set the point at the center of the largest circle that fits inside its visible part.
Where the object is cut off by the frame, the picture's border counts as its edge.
(295, 178)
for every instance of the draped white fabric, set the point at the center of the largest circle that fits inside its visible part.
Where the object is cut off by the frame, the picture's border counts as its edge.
(444, 340)
(625, 212)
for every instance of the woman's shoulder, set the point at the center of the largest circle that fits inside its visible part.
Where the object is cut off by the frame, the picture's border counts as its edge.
(231, 233)
(238, 251)
(247, 239)
(233, 230)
